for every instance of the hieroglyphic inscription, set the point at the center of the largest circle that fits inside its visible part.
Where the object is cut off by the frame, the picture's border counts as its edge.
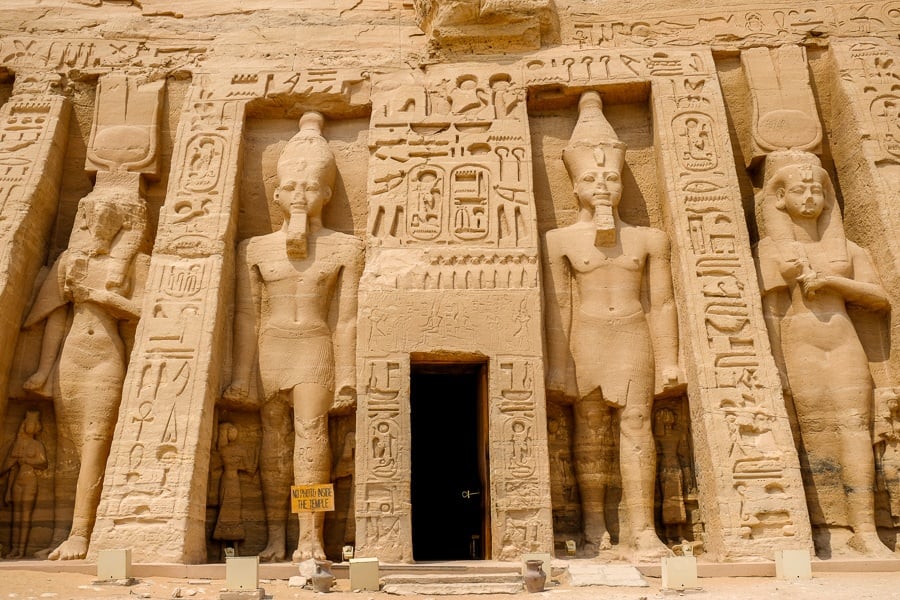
(192, 223)
(759, 487)
(449, 163)
(804, 22)
(868, 160)
(94, 55)
(520, 482)
(383, 460)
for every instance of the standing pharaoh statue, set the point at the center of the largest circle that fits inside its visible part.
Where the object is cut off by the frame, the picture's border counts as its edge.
(809, 272)
(297, 288)
(611, 312)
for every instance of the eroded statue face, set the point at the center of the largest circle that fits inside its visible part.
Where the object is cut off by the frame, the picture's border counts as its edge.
(802, 193)
(304, 191)
(599, 188)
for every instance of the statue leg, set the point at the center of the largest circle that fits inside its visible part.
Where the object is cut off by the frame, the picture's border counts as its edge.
(312, 461)
(591, 433)
(98, 430)
(23, 509)
(54, 333)
(65, 479)
(275, 473)
(858, 475)
(637, 463)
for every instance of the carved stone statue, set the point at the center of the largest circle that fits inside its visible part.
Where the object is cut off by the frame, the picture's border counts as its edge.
(234, 458)
(808, 273)
(94, 282)
(601, 268)
(298, 288)
(26, 457)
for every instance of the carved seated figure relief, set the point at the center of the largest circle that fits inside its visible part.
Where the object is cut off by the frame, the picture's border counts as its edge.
(809, 272)
(603, 342)
(288, 285)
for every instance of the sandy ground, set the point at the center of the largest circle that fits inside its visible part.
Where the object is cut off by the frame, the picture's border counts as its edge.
(29, 585)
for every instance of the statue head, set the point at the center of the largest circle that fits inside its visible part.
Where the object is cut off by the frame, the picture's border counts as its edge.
(31, 424)
(796, 188)
(228, 433)
(306, 174)
(594, 159)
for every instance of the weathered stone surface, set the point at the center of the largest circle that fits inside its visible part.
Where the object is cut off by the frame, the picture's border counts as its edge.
(583, 574)
(610, 370)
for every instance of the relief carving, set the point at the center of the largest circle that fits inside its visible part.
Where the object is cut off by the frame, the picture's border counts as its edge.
(287, 283)
(605, 262)
(26, 457)
(809, 272)
(233, 458)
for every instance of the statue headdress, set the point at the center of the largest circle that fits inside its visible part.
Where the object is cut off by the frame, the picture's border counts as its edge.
(594, 144)
(777, 223)
(308, 153)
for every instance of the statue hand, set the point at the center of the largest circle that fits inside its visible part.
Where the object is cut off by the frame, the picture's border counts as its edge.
(672, 377)
(811, 282)
(344, 401)
(237, 394)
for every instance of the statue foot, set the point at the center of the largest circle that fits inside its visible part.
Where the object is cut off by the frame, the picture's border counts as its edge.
(14, 554)
(35, 384)
(868, 543)
(596, 544)
(307, 550)
(74, 548)
(649, 548)
(273, 552)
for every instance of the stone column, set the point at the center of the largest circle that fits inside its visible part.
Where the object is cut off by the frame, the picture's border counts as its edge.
(154, 492)
(751, 493)
(865, 130)
(33, 127)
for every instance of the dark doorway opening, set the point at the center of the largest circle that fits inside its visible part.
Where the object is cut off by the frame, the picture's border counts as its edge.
(449, 461)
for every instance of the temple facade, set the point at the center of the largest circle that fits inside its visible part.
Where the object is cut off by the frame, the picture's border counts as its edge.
(492, 278)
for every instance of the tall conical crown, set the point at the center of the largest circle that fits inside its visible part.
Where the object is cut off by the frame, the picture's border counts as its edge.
(594, 143)
(307, 151)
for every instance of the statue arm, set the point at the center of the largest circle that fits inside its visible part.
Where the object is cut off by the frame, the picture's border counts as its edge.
(49, 297)
(865, 288)
(775, 304)
(247, 290)
(663, 316)
(345, 328)
(557, 315)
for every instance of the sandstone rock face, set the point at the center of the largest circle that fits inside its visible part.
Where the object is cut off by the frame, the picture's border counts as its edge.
(490, 277)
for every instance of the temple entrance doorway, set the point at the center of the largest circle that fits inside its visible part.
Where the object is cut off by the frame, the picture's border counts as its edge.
(449, 461)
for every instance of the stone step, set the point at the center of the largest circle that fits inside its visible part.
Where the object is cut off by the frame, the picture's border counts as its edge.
(441, 584)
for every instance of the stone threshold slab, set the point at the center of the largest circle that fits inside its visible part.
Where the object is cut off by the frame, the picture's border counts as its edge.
(340, 570)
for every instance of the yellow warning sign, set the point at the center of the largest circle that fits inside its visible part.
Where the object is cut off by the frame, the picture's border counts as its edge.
(312, 498)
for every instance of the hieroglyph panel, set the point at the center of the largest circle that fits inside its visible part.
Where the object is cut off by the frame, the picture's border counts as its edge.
(383, 458)
(151, 501)
(33, 128)
(866, 149)
(750, 487)
(764, 24)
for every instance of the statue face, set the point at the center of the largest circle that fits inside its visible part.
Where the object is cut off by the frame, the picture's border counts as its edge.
(801, 193)
(302, 191)
(599, 187)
